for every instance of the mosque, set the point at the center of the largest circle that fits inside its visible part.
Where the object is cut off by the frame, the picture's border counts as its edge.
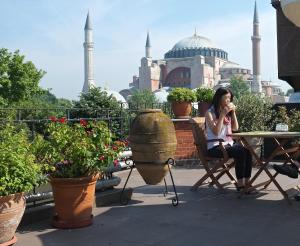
(193, 62)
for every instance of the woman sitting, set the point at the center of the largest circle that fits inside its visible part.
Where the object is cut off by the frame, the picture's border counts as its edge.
(220, 120)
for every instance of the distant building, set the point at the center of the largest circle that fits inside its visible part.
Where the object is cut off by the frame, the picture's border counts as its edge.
(195, 61)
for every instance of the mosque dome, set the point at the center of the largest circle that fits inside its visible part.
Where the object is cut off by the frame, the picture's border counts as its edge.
(195, 45)
(161, 95)
(117, 96)
(194, 41)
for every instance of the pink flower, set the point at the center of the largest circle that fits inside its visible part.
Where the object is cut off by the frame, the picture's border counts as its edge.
(116, 162)
(101, 158)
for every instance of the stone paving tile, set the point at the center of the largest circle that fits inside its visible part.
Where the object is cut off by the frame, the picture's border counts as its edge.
(205, 217)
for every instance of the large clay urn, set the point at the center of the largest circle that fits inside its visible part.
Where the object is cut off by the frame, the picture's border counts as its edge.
(11, 211)
(153, 141)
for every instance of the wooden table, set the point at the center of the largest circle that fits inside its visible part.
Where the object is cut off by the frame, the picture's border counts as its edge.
(280, 139)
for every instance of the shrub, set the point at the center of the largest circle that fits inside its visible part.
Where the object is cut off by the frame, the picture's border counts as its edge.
(76, 150)
(18, 170)
(254, 113)
(181, 95)
(204, 94)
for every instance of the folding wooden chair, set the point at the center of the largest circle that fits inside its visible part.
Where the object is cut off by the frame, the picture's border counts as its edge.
(215, 167)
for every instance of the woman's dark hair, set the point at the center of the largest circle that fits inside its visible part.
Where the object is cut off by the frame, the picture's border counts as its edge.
(217, 99)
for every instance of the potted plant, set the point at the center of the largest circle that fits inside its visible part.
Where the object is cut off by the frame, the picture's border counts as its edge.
(204, 98)
(78, 153)
(18, 174)
(181, 99)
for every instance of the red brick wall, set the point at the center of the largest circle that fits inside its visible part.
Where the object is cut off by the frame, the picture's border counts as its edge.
(186, 148)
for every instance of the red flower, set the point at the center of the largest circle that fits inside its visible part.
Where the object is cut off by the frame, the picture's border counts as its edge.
(53, 118)
(116, 162)
(83, 122)
(62, 120)
(101, 158)
(115, 148)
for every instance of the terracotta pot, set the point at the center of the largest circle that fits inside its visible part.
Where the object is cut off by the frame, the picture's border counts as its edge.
(153, 141)
(11, 211)
(74, 200)
(182, 110)
(202, 108)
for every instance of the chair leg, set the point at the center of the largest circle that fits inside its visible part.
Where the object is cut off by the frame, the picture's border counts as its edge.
(209, 174)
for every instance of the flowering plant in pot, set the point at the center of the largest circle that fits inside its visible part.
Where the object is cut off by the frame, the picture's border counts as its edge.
(181, 99)
(204, 98)
(19, 173)
(78, 152)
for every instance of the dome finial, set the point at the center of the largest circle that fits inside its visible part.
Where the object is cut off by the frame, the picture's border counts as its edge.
(195, 34)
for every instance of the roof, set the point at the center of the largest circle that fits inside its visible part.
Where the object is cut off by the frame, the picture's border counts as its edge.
(194, 41)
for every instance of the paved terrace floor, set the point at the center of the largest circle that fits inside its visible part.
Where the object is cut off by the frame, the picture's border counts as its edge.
(203, 218)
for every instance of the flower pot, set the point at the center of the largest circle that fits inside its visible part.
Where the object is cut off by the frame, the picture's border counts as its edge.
(11, 211)
(74, 200)
(153, 141)
(182, 110)
(202, 108)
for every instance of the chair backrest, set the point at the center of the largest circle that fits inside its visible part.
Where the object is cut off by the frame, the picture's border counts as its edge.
(199, 133)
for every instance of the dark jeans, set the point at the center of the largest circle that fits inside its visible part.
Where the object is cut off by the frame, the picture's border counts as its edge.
(241, 155)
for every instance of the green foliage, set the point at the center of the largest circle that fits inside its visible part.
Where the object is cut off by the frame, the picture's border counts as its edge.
(254, 113)
(204, 94)
(19, 80)
(294, 125)
(292, 119)
(142, 99)
(182, 95)
(18, 170)
(77, 150)
(98, 104)
(239, 86)
(281, 116)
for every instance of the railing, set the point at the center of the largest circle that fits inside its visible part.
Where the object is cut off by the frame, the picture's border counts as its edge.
(118, 120)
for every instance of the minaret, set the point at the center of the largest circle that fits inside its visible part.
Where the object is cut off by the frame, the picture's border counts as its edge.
(148, 46)
(88, 56)
(256, 84)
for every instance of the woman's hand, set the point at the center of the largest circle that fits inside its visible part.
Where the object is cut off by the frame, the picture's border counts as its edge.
(232, 107)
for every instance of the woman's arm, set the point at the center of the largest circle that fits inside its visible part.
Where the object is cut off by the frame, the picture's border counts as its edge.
(234, 122)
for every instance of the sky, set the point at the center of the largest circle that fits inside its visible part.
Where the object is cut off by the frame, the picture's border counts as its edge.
(50, 33)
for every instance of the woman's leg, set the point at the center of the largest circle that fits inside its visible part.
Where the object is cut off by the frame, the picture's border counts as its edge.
(232, 153)
(238, 153)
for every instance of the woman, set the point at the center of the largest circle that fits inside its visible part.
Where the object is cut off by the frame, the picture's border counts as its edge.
(220, 120)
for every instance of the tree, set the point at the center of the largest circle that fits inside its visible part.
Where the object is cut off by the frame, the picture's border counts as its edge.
(98, 104)
(239, 86)
(19, 80)
(142, 99)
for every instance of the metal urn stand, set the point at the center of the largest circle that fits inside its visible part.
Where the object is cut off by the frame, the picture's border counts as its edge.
(170, 161)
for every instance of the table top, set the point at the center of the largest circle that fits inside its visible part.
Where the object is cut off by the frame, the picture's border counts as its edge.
(265, 134)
